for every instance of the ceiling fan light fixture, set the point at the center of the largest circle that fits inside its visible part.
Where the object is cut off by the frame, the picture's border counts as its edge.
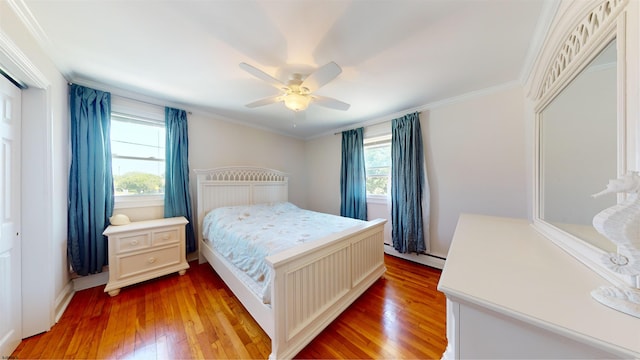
(296, 102)
(297, 93)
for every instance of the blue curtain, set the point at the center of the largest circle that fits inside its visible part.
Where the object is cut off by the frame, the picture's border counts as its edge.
(90, 202)
(353, 181)
(407, 186)
(177, 200)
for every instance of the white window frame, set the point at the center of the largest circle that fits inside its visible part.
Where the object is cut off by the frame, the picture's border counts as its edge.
(379, 140)
(139, 112)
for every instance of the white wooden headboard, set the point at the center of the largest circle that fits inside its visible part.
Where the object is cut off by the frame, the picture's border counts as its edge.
(238, 185)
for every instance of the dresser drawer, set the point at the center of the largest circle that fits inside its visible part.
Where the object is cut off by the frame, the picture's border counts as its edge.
(130, 242)
(138, 263)
(166, 236)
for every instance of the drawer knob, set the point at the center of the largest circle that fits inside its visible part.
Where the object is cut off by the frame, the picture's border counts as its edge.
(134, 242)
(151, 260)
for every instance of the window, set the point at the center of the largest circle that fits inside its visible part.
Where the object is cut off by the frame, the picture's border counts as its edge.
(138, 159)
(377, 159)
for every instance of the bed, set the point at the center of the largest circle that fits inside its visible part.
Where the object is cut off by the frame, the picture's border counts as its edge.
(311, 283)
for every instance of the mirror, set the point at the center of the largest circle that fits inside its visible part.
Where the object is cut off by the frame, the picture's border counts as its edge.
(578, 150)
(587, 129)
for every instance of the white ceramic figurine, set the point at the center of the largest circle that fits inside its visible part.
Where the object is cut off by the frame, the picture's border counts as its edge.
(621, 224)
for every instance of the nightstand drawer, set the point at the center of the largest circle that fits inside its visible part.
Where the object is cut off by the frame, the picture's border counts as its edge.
(166, 236)
(132, 242)
(130, 265)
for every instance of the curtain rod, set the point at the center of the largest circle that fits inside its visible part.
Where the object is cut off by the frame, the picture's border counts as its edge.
(128, 98)
(371, 124)
(362, 126)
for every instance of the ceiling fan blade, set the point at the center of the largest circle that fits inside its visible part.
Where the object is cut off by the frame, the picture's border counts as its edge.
(262, 75)
(330, 103)
(321, 76)
(265, 101)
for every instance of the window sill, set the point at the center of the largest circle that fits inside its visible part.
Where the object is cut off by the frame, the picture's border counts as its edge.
(138, 201)
(379, 199)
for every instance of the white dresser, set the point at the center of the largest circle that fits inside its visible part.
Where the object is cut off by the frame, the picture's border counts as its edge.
(144, 250)
(511, 293)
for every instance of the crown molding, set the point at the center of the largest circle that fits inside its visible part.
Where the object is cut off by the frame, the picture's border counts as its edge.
(24, 14)
(18, 65)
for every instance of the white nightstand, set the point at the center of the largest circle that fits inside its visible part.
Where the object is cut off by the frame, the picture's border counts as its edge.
(144, 250)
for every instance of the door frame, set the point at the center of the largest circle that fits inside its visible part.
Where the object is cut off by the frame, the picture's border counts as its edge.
(38, 281)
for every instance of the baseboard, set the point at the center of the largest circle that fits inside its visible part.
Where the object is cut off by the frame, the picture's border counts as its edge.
(63, 300)
(194, 256)
(424, 259)
(448, 353)
(89, 281)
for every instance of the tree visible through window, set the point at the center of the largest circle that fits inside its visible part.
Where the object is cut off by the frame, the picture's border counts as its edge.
(377, 159)
(138, 156)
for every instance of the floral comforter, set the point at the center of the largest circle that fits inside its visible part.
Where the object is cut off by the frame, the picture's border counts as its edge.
(246, 235)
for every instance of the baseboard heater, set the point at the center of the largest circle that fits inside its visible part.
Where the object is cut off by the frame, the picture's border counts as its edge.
(421, 258)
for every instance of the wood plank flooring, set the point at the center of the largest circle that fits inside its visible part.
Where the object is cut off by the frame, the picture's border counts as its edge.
(196, 316)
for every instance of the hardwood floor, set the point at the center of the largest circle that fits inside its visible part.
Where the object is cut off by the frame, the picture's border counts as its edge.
(197, 316)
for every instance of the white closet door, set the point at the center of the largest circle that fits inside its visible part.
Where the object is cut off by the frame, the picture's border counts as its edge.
(10, 237)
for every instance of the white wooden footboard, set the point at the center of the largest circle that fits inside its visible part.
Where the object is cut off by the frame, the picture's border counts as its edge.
(315, 283)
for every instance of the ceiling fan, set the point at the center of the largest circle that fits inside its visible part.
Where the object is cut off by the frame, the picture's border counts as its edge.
(297, 93)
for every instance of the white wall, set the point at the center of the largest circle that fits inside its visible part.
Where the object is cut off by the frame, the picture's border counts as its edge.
(476, 160)
(214, 142)
(475, 149)
(323, 161)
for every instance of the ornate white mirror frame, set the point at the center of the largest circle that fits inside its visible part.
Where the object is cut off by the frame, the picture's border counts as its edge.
(579, 34)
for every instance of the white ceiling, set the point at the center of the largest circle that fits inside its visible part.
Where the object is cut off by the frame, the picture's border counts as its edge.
(396, 55)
